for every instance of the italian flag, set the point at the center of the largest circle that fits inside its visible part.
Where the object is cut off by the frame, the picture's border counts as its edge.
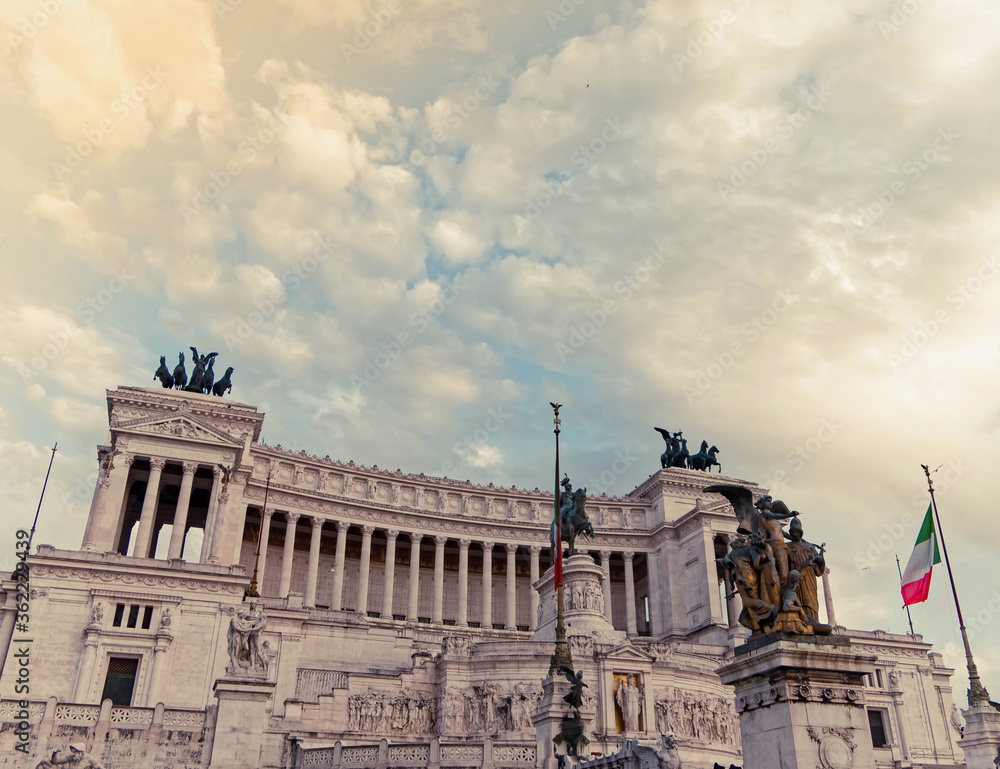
(917, 577)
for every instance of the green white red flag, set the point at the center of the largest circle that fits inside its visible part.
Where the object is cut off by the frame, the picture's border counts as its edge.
(917, 577)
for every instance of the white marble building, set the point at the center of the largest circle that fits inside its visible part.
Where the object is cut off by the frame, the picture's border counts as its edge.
(401, 615)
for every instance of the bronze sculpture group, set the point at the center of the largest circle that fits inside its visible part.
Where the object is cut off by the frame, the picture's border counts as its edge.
(573, 518)
(676, 453)
(202, 377)
(776, 579)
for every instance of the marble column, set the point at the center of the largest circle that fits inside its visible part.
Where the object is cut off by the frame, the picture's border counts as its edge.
(264, 538)
(221, 520)
(176, 547)
(732, 609)
(155, 677)
(313, 574)
(487, 622)
(606, 583)
(535, 550)
(411, 607)
(212, 516)
(390, 573)
(463, 582)
(285, 586)
(437, 615)
(511, 623)
(337, 597)
(630, 625)
(366, 562)
(831, 618)
(95, 518)
(86, 667)
(148, 514)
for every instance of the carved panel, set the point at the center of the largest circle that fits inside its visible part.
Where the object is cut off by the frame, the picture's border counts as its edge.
(367, 756)
(322, 757)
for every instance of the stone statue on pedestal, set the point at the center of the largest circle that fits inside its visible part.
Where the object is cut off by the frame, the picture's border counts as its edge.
(244, 641)
(776, 579)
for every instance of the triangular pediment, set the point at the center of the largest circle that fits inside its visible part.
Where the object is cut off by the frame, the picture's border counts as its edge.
(626, 652)
(177, 426)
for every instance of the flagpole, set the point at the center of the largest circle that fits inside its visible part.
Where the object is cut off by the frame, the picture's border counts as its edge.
(31, 535)
(977, 692)
(561, 656)
(905, 605)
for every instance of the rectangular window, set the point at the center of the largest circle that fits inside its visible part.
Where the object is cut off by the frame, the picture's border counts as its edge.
(878, 677)
(120, 681)
(876, 722)
(147, 617)
(119, 614)
(133, 615)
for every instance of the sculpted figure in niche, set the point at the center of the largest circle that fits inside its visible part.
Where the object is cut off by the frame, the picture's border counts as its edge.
(244, 639)
(629, 699)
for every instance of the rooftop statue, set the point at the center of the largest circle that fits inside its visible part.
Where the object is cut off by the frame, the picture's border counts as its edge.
(776, 579)
(676, 453)
(202, 377)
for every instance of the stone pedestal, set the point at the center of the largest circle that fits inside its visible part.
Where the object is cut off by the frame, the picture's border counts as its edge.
(801, 702)
(981, 739)
(548, 720)
(583, 603)
(240, 722)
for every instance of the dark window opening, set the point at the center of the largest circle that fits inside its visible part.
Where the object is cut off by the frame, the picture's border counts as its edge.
(876, 722)
(133, 615)
(147, 618)
(120, 681)
(119, 613)
(399, 616)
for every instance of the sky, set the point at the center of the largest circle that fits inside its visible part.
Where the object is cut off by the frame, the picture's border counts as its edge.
(409, 225)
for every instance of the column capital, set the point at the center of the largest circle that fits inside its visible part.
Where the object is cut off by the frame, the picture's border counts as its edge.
(127, 460)
(216, 472)
(391, 534)
(463, 544)
(440, 540)
(155, 463)
(343, 526)
(189, 468)
(487, 546)
(367, 530)
(316, 521)
(535, 550)
(291, 517)
(268, 513)
(628, 555)
(415, 537)
(605, 555)
(511, 548)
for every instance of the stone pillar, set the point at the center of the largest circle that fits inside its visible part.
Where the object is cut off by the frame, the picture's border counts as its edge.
(97, 504)
(437, 615)
(86, 667)
(535, 550)
(390, 573)
(181, 513)
(831, 618)
(212, 517)
(221, 527)
(487, 585)
(463, 582)
(511, 623)
(264, 537)
(606, 582)
(630, 626)
(240, 722)
(732, 614)
(148, 515)
(366, 562)
(159, 652)
(337, 598)
(313, 575)
(897, 706)
(981, 739)
(411, 606)
(291, 519)
(801, 702)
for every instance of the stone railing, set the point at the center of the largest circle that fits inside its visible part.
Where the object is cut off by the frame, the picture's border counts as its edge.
(467, 755)
(116, 737)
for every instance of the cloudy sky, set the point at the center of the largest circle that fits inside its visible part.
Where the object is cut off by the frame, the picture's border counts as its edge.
(771, 225)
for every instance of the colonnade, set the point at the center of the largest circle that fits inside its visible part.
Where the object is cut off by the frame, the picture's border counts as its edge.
(482, 552)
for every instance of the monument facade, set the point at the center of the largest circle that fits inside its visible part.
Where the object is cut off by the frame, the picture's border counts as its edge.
(401, 619)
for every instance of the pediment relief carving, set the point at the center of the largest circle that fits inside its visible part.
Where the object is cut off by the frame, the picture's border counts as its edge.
(178, 426)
